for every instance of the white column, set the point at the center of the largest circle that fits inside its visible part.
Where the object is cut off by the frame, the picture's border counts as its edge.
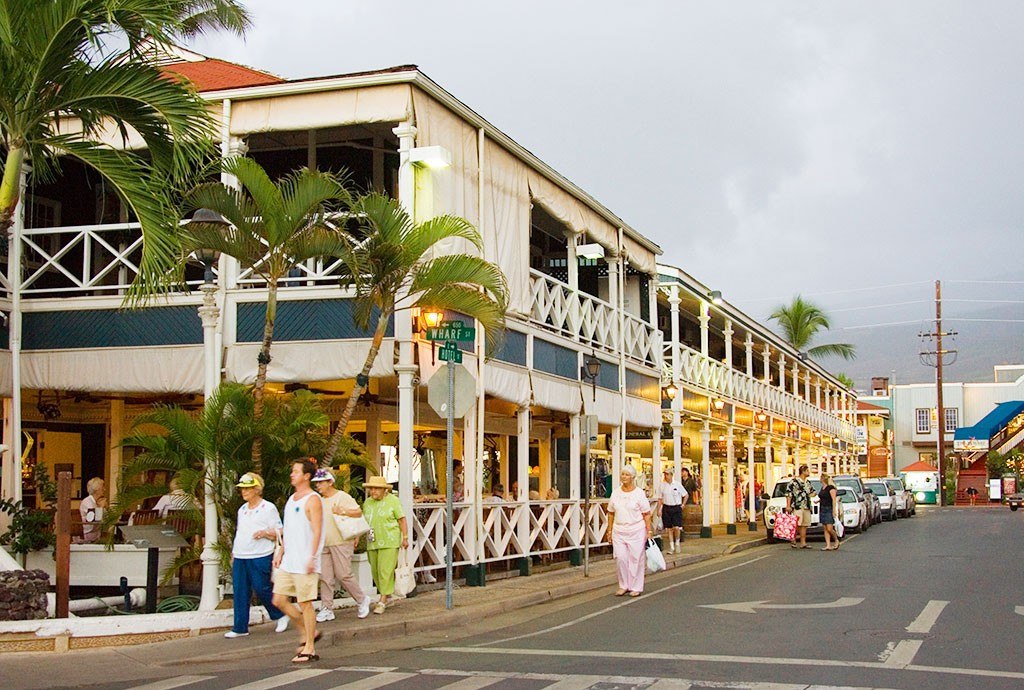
(817, 392)
(677, 366)
(705, 473)
(782, 372)
(704, 317)
(406, 367)
(730, 477)
(14, 278)
(616, 451)
(473, 483)
(796, 379)
(575, 433)
(750, 476)
(523, 473)
(652, 299)
(748, 345)
(209, 313)
(766, 360)
(807, 385)
(727, 333)
(656, 456)
(230, 147)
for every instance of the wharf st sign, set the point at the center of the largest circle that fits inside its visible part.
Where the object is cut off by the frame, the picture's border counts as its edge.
(452, 331)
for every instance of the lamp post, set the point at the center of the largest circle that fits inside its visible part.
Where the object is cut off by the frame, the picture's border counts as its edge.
(589, 372)
(209, 314)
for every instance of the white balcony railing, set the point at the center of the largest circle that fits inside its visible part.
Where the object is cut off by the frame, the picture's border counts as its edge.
(716, 378)
(591, 321)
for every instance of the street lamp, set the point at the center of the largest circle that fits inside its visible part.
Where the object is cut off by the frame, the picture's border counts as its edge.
(670, 391)
(716, 297)
(589, 371)
(209, 314)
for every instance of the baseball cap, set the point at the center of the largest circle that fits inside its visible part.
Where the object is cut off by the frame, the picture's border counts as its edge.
(250, 480)
(323, 475)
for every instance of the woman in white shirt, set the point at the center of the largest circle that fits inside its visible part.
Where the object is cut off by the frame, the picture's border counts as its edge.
(252, 554)
(629, 521)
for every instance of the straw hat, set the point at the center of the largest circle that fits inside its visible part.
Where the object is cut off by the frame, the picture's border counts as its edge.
(376, 482)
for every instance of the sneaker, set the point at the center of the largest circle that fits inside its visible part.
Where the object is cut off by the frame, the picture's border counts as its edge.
(231, 634)
(364, 607)
(324, 615)
(379, 608)
(282, 624)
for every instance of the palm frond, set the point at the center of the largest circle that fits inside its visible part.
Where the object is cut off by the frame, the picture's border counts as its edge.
(430, 232)
(844, 350)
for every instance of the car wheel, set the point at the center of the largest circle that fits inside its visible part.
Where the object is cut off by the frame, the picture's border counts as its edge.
(1013, 508)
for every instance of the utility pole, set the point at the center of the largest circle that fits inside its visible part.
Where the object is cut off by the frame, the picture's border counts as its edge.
(926, 358)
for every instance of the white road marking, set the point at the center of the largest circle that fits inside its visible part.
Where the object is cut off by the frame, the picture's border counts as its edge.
(472, 683)
(669, 684)
(372, 682)
(1020, 610)
(171, 683)
(296, 676)
(904, 653)
(752, 606)
(629, 601)
(888, 665)
(926, 619)
(574, 683)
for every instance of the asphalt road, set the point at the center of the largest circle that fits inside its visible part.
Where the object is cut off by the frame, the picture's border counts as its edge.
(927, 602)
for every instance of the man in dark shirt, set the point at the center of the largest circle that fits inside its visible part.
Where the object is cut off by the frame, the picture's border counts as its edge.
(690, 484)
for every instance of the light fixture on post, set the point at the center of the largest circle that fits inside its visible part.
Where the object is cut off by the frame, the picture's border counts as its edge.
(803, 356)
(761, 417)
(718, 404)
(433, 157)
(670, 392)
(591, 250)
(715, 296)
(590, 370)
(209, 314)
(430, 317)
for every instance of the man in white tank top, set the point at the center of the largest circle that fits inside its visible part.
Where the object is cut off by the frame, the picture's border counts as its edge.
(297, 558)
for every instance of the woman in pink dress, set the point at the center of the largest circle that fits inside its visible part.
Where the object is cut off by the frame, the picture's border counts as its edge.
(629, 521)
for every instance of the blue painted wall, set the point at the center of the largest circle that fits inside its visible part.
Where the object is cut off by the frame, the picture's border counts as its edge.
(68, 330)
(555, 359)
(321, 319)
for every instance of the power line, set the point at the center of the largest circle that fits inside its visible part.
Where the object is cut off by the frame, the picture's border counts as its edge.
(838, 292)
(903, 323)
(881, 306)
(989, 282)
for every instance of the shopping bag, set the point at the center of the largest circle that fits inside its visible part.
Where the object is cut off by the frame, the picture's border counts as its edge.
(785, 526)
(351, 527)
(839, 527)
(655, 559)
(405, 579)
(657, 523)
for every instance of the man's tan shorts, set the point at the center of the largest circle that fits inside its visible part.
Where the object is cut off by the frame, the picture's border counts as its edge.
(804, 515)
(302, 586)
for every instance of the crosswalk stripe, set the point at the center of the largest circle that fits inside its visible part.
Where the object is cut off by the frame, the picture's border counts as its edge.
(580, 683)
(278, 681)
(171, 683)
(669, 684)
(472, 683)
(379, 680)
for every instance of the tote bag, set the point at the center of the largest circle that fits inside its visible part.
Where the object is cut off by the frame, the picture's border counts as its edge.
(839, 527)
(351, 527)
(405, 579)
(785, 526)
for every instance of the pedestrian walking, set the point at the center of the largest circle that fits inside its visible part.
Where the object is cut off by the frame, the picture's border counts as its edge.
(828, 508)
(670, 509)
(297, 558)
(257, 528)
(629, 521)
(798, 501)
(741, 498)
(690, 485)
(336, 560)
(388, 533)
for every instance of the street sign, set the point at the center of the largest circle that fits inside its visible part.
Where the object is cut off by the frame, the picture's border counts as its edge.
(452, 330)
(590, 427)
(464, 388)
(450, 352)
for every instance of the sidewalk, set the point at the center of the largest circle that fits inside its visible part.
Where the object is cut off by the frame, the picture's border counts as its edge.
(426, 612)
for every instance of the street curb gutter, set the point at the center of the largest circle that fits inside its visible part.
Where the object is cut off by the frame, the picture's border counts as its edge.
(471, 614)
(744, 545)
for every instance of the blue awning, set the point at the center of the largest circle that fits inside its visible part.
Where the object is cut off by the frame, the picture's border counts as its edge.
(992, 422)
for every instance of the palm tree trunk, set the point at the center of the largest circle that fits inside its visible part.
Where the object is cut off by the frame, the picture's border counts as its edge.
(261, 374)
(350, 406)
(10, 187)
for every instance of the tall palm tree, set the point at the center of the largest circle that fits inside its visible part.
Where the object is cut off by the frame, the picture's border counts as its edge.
(801, 321)
(394, 264)
(60, 74)
(274, 227)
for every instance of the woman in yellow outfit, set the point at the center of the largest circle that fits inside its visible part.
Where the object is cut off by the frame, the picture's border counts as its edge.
(388, 533)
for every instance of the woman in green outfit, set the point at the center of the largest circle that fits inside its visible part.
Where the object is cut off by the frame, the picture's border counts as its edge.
(388, 532)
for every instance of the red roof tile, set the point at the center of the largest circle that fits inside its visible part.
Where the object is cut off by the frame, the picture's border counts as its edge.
(868, 407)
(920, 467)
(213, 75)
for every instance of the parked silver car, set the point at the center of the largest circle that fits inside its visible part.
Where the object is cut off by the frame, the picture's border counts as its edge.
(886, 498)
(854, 483)
(855, 511)
(906, 504)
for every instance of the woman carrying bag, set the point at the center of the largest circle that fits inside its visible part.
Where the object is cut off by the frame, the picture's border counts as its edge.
(629, 521)
(388, 533)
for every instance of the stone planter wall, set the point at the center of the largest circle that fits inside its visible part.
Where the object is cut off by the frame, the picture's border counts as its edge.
(23, 595)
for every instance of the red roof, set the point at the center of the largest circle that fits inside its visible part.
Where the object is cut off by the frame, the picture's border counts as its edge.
(868, 407)
(920, 467)
(213, 75)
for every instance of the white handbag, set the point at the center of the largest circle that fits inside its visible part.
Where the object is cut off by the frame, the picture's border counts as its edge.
(351, 527)
(839, 527)
(405, 579)
(655, 559)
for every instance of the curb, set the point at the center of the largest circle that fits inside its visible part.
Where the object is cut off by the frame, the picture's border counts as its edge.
(744, 545)
(472, 613)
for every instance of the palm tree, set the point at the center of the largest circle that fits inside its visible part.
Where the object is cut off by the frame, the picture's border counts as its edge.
(223, 431)
(394, 264)
(801, 321)
(60, 71)
(274, 227)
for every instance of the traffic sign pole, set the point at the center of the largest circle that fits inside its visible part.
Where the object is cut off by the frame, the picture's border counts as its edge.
(450, 479)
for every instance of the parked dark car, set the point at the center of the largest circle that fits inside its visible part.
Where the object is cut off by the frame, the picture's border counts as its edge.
(1015, 501)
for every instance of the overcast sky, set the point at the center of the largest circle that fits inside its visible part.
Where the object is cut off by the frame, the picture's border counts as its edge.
(770, 148)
